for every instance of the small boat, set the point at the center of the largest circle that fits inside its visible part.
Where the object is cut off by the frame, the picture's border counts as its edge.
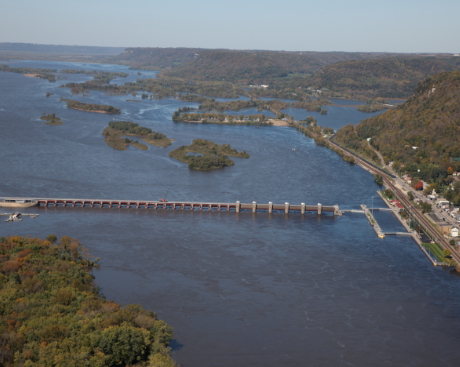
(17, 217)
(293, 149)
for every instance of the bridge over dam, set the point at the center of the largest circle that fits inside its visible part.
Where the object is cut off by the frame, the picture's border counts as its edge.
(174, 205)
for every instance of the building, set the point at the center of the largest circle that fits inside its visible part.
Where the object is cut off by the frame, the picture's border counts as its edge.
(445, 228)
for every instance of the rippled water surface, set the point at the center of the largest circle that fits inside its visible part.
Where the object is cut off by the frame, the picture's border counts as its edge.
(239, 289)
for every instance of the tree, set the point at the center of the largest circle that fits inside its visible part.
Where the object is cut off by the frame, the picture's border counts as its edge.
(450, 195)
(411, 195)
(446, 252)
(378, 179)
(426, 207)
(52, 238)
(125, 344)
(389, 194)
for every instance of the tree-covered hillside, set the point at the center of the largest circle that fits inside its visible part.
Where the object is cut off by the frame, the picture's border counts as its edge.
(155, 58)
(422, 136)
(258, 67)
(51, 313)
(391, 77)
(241, 66)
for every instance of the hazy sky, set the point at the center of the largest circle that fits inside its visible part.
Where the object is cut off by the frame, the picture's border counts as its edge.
(302, 25)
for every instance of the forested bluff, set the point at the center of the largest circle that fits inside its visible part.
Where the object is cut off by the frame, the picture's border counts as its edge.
(419, 137)
(52, 314)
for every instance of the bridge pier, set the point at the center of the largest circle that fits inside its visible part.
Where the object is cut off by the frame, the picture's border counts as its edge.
(270, 207)
(320, 207)
(254, 206)
(286, 208)
(337, 211)
(302, 208)
(238, 206)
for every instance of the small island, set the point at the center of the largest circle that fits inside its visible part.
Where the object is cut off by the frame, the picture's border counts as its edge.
(51, 119)
(31, 72)
(205, 155)
(90, 107)
(115, 136)
(221, 119)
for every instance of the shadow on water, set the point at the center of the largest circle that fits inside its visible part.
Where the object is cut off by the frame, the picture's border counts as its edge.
(175, 345)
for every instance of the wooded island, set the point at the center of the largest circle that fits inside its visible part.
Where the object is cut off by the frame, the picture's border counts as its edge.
(117, 129)
(205, 155)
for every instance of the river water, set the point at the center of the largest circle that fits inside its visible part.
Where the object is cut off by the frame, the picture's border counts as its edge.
(239, 289)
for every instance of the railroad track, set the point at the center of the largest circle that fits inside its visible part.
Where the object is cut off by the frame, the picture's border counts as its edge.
(387, 179)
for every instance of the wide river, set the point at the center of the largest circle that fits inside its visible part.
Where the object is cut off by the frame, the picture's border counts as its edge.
(239, 289)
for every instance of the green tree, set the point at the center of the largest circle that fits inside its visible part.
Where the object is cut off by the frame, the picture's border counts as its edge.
(378, 179)
(446, 252)
(52, 238)
(124, 344)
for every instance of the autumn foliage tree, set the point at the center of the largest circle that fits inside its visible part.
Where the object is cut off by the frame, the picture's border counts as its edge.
(51, 313)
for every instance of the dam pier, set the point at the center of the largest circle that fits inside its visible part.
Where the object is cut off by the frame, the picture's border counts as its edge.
(237, 206)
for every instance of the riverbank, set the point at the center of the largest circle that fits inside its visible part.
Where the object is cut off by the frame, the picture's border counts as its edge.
(278, 122)
(414, 236)
(32, 75)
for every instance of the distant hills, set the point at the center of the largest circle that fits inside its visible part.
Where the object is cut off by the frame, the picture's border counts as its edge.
(358, 75)
(155, 58)
(62, 49)
(388, 77)
(244, 67)
(32, 51)
(421, 136)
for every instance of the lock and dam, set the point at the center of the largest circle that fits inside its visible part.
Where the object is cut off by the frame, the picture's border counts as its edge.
(174, 205)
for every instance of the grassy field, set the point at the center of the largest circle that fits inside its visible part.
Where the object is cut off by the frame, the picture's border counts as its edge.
(435, 250)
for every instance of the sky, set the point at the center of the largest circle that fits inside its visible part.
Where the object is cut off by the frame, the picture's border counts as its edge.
(414, 26)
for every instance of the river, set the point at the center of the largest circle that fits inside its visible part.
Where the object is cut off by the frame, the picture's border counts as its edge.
(239, 289)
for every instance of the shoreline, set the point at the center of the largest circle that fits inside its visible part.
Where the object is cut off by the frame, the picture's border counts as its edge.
(404, 224)
(242, 123)
(279, 122)
(99, 111)
(32, 75)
